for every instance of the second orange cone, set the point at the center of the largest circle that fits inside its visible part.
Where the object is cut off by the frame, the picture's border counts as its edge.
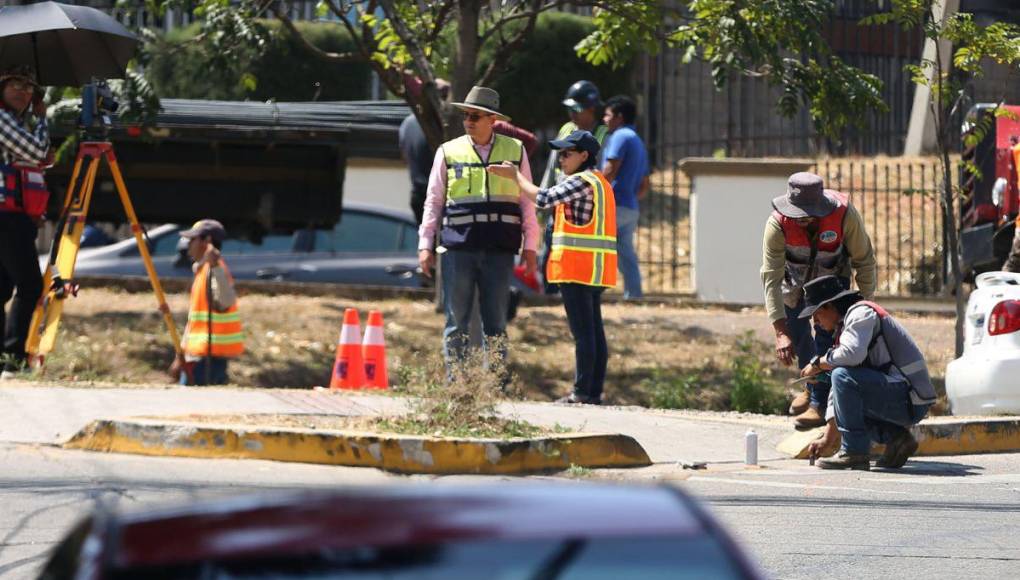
(349, 368)
(373, 351)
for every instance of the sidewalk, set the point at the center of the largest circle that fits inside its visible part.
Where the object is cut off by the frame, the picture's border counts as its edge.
(51, 415)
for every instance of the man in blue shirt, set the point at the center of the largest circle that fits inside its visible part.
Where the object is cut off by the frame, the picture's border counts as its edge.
(626, 167)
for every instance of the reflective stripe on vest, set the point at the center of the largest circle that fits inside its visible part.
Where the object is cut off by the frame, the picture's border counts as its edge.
(227, 333)
(904, 354)
(467, 181)
(481, 218)
(831, 256)
(586, 254)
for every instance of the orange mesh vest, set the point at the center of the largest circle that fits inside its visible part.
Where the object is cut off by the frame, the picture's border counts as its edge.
(586, 254)
(227, 334)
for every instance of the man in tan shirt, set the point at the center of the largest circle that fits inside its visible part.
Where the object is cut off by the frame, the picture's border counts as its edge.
(812, 232)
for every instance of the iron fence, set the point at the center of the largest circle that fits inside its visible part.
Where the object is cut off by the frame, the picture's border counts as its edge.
(897, 198)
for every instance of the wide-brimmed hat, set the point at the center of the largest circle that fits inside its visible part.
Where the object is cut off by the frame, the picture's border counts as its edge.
(580, 140)
(206, 227)
(20, 72)
(482, 99)
(805, 197)
(821, 291)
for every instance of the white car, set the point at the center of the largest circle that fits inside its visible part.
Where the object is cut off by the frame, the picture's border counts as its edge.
(986, 379)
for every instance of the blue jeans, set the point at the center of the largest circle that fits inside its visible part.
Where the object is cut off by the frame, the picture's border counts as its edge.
(870, 407)
(464, 271)
(591, 354)
(627, 258)
(217, 373)
(806, 348)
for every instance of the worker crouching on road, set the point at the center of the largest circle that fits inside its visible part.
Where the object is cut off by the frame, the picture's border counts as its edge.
(213, 335)
(880, 382)
(582, 259)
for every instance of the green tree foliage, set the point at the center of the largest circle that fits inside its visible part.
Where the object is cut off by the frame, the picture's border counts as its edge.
(778, 40)
(945, 77)
(405, 39)
(550, 55)
(180, 65)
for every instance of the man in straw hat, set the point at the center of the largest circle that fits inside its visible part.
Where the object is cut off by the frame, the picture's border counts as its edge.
(481, 220)
(812, 232)
(23, 152)
(880, 382)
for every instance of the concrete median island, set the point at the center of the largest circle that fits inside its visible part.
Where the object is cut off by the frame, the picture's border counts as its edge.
(203, 437)
(939, 436)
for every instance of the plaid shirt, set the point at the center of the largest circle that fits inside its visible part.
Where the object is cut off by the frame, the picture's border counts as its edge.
(17, 143)
(573, 191)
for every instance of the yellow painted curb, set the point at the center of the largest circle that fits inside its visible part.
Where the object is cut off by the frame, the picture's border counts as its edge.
(397, 453)
(963, 437)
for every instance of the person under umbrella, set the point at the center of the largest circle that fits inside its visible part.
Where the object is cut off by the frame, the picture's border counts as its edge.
(22, 150)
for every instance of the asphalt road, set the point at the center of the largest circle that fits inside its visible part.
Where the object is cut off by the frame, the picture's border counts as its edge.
(937, 518)
(944, 517)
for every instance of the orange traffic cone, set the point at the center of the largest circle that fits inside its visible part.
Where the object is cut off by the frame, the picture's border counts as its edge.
(373, 350)
(349, 370)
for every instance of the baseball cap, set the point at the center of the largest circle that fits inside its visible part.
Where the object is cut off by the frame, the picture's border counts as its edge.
(580, 140)
(206, 227)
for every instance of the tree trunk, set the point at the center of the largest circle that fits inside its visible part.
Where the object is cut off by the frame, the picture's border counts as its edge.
(465, 67)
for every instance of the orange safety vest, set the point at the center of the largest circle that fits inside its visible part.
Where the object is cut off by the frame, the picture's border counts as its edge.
(227, 334)
(586, 254)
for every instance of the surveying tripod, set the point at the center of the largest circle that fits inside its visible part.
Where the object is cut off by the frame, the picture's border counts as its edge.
(58, 279)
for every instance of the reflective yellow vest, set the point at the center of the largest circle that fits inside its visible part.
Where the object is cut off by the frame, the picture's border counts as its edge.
(482, 210)
(227, 334)
(586, 254)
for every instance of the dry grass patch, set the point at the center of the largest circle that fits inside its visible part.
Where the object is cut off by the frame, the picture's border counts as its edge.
(112, 337)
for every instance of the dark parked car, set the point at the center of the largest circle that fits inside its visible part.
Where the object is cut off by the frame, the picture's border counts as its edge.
(370, 245)
(533, 531)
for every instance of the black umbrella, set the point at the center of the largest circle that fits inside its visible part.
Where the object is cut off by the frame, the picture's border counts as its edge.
(67, 45)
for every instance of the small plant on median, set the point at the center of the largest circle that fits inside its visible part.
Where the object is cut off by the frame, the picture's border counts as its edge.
(752, 391)
(461, 405)
(577, 471)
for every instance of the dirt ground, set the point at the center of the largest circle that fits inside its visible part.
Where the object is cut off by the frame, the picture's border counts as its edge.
(110, 336)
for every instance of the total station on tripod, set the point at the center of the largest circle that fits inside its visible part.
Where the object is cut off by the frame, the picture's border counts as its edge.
(97, 104)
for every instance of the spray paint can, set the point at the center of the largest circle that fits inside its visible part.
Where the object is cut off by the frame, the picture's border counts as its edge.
(750, 447)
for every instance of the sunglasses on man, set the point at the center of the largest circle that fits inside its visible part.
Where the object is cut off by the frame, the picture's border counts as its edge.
(475, 117)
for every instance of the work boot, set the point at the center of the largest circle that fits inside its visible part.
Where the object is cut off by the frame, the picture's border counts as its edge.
(800, 403)
(898, 450)
(809, 419)
(846, 460)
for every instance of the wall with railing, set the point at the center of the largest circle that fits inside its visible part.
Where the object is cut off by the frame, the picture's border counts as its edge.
(897, 197)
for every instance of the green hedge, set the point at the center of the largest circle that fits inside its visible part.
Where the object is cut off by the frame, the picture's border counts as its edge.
(285, 71)
(536, 79)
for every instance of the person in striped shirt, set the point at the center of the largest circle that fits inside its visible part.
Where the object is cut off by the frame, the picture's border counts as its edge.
(20, 143)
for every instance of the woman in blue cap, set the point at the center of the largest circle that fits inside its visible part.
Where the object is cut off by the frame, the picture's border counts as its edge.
(582, 258)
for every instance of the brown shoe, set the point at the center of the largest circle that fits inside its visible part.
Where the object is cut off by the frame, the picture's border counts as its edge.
(897, 451)
(846, 461)
(800, 403)
(809, 419)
